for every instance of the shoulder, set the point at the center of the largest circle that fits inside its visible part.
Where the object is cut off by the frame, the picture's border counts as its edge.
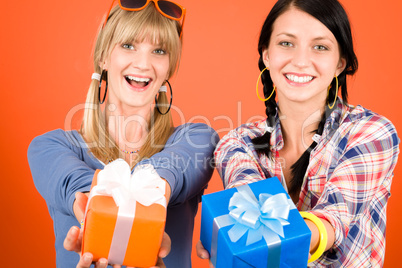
(362, 131)
(247, 131)
(60, 135)
(241, 137)
(365, 125)
(194, 127)
(194, 130)
(193, 135)
(57, 139)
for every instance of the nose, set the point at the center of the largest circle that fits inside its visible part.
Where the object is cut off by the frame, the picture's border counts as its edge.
(141, 60)
(301, 57)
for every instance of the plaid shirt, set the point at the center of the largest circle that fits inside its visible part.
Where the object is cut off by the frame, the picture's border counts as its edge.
(347, 182)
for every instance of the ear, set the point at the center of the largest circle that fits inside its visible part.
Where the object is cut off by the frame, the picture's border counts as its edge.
(341, 66)
(265, 57)
(103, 65)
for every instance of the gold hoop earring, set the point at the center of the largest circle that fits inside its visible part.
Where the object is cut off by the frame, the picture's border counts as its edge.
(258, 81)
(336, 93)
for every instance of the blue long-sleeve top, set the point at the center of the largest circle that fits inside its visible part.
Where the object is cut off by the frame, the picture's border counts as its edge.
(61, 165)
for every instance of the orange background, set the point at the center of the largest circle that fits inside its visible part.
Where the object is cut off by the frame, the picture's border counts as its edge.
(46, 67)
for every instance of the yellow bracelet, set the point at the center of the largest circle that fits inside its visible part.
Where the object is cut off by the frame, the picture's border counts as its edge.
(323, 234)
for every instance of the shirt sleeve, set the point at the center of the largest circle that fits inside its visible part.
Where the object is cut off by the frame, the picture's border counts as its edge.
(57, 169)
(236, 161)
(355, 196)
(185, 162)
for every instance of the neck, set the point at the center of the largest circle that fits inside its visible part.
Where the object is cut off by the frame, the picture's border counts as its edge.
(298, 123)
(128, 127)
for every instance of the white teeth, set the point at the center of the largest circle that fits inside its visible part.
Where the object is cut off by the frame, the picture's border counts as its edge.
(138, 79)
(299, 79)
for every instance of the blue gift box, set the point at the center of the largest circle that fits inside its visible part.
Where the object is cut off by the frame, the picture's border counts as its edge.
(254, 225)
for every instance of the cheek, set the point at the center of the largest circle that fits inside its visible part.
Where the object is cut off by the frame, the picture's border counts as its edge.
(328, 69)
(328, 64)
(277, 59)
(276, 64)
(120, 61)
(162, 69)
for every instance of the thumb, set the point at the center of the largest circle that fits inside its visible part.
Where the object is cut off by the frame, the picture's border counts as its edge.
(165, 246)
(80, 204)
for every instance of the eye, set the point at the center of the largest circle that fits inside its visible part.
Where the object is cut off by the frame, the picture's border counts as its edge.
(320, 48)
(286, 44)
(160, 51)
(128, 46)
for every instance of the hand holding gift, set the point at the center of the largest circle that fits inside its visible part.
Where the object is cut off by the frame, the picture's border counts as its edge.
(73, 240)
(132, 208)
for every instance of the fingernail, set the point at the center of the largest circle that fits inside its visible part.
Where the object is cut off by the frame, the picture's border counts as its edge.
(87, 258)
(71, 232)
(103, 262)
(74, 231)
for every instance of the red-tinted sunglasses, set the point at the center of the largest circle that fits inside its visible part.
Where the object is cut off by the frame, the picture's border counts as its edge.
(168, 9)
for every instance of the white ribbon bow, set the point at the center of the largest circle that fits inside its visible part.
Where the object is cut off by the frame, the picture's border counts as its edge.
(144, 186)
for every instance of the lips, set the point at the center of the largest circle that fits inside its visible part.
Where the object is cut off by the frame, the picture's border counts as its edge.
(137, 82)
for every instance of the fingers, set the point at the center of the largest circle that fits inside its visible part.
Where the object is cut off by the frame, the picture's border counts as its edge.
(85, 261)
(165, 246)
(102, 263)
(159, 264)
(72, 241)
(163, 251)
(201, 251)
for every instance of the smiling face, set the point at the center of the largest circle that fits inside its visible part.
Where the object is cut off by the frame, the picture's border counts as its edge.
(303, 57)
(139, 51)
(135, 73)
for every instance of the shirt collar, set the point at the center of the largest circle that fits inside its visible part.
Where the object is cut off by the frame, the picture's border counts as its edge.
(276, 135)
(336, 116)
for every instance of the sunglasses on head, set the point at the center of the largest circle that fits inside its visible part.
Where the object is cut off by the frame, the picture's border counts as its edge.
(168, 9)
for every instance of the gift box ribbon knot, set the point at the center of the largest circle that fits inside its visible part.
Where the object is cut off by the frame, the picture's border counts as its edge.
(261, 219)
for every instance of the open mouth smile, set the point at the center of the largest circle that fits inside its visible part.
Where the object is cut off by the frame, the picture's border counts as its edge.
(299, 79)
(137, 81)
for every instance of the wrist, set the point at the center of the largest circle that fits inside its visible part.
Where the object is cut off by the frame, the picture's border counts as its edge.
(320, 229)
(315, 235)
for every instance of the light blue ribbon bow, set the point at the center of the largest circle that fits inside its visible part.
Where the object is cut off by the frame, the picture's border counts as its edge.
(257, 217)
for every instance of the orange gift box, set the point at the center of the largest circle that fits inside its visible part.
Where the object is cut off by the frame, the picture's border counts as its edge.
(128, 235)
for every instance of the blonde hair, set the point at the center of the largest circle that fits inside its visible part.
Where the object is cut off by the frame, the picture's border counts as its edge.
(129, 27)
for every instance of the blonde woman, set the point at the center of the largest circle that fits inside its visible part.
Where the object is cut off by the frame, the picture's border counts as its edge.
(127, 116)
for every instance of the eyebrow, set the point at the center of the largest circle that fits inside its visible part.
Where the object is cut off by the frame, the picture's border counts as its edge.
(318, 38)
(323, 38)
